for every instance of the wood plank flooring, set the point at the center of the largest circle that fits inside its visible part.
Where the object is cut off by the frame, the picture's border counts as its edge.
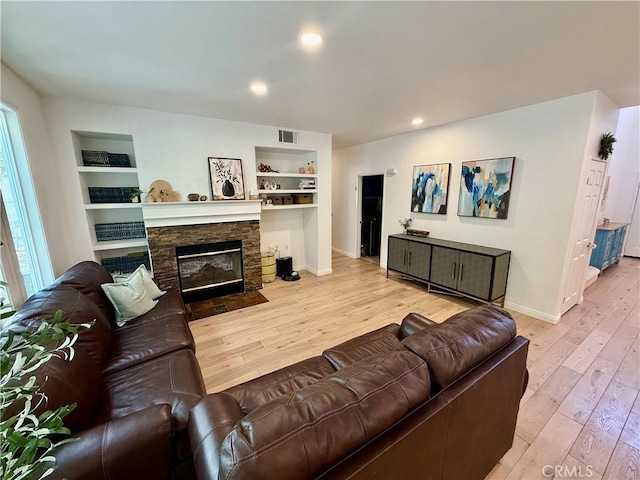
(581, 410)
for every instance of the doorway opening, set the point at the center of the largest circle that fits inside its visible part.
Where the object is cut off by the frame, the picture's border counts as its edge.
(371, 217)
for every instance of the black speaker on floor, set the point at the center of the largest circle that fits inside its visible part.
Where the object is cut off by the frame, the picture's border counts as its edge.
(284, 265)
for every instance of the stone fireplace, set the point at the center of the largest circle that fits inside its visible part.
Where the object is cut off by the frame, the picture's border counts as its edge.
(187, 231)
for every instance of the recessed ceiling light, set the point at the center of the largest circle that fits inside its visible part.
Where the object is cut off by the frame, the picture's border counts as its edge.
(311, 39)
(417, 121)
(259, 88)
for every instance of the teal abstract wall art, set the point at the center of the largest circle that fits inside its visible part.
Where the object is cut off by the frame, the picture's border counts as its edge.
(485, 188)
(430, 188)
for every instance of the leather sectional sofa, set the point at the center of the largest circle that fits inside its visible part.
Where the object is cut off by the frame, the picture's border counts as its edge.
(419, 400)
(134, 385)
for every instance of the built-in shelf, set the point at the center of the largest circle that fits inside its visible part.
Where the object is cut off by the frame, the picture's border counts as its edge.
(107, 170)
(289, 207)
(286, 190)
(110, 206)
(118, 244)
(287, 175)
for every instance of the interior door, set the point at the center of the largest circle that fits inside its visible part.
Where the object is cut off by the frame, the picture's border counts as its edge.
(632, 247)
(581, 244)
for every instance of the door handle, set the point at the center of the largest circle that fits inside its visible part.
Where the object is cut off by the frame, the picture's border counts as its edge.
(453, 270)
(409, 258)
(460, 273)
(591, 246)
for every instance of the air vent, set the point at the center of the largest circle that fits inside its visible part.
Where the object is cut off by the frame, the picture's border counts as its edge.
(288, 136)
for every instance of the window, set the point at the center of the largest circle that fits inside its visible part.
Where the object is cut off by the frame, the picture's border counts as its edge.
(22, 215)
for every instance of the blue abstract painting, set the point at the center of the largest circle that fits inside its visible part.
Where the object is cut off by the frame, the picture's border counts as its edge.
(430, 188)
(485, 188)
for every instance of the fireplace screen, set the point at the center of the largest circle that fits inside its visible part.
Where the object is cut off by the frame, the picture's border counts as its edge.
(210, 270)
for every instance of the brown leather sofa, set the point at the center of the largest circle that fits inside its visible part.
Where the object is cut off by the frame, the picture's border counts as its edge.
(419, 400)
(134, 385)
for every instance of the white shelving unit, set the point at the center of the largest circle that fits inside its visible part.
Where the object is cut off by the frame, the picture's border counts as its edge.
(294, 228)
(93, 176)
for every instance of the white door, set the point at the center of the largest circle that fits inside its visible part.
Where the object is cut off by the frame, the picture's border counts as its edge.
(632, 247)
(584, 236)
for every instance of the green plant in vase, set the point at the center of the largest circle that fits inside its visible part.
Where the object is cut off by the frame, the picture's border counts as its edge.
(227, 178)
(135, 195)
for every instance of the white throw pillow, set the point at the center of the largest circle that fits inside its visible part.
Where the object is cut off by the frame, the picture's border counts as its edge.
(151, 287)
(130, 299)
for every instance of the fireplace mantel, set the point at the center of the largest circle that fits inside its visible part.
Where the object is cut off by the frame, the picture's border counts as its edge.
(162, 214)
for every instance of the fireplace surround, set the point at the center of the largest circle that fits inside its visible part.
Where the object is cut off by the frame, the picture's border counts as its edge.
(163, 241)
(210, 270)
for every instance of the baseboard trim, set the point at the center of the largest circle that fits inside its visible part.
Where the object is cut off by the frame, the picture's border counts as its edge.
(342, 252)
(545, 317)
(317, 273)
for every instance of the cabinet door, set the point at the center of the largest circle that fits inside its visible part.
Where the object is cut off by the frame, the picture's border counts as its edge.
(444, 266)
(397, 255)
(597, 254)
(418, 260)
(474, 274)
(608, 250)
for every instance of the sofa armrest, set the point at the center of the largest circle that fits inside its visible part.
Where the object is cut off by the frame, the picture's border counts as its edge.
(132, 447)
(209, 423)
(412, 323)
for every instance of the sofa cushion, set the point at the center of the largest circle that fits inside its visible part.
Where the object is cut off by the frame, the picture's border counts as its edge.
(254, 393)
(144, 341)
(130, 299)
(174, 379)
(129, 448)
(64, 382)
(413, 323)
(461, 342)
(169, 303)
(142, 273)
(76, 308)
(384, 339)
(86, 277)
(310, 429)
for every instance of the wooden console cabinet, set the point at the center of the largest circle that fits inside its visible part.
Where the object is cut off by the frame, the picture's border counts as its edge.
(609, 241)
(470, 270)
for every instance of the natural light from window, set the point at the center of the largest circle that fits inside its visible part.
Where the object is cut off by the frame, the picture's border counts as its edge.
(22, 216)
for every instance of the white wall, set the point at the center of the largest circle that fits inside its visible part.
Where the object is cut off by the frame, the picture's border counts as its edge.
(548, 141)
(44, 172)
(624, 167)
(175, 147)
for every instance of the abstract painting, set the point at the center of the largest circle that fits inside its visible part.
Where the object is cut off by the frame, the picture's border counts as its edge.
(430, 188)
(485, 188)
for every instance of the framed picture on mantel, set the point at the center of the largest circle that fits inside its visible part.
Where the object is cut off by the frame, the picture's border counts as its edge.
(225, 175)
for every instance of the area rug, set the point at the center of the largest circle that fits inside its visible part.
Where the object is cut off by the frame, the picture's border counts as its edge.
(216, 306)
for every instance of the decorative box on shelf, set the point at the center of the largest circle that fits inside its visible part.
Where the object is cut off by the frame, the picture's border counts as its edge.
(92, 158)
(417, 233)
(111, 194)
(127, 264)
(303, 198)
(119, 231)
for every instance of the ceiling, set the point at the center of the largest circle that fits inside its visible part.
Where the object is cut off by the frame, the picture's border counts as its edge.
(381, 64)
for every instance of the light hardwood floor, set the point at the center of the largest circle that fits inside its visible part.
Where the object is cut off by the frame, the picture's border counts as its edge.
(581, 410)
